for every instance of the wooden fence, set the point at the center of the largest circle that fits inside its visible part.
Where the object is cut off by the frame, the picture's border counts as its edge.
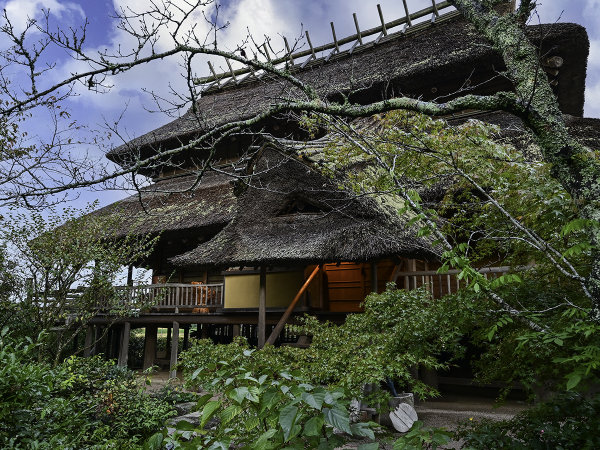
(440, 284)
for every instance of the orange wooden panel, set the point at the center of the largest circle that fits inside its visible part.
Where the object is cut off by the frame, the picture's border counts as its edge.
(345, 306)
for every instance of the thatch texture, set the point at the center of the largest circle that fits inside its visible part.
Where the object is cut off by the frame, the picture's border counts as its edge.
(432, 62)
(290, 214)
(165, 206)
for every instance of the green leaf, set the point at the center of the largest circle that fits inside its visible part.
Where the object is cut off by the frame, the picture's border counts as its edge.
(370, 446)
(338, 418)
(184, 425)
(229, 413)
(363, 430)
(154, 442)
(314, 400)
(251, 423)
(208, 411)
(262, 442)
(313, 426)
(239, 394)
(202, 401)
(287, 417)
(573, 380)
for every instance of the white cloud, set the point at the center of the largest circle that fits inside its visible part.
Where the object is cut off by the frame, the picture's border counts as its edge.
(592, 100)
(20, 11)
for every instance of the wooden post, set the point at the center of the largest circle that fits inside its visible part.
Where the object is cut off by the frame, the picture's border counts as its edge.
(374, 276)
(408, 21)
(124, 349)
(236, 330)
(151, 337)
(262, 307)
(277, 330)
(174, 348)
(89, 341)
(130, 275)
(186, 336)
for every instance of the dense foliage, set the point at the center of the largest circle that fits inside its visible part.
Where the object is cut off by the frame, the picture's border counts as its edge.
(393, 336)
(49, 258)
(263, 406)
(80, 403)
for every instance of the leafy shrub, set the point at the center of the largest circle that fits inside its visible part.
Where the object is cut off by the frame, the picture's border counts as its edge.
(258, 406)
(80, 403)
(394, 334)
(570, 421)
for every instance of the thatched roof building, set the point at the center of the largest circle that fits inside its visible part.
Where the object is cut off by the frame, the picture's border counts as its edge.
(430, 61)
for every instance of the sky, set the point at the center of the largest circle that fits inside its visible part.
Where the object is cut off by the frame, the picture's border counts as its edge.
(129, 98)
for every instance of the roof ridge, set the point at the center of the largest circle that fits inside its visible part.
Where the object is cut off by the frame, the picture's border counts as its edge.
(230, 77)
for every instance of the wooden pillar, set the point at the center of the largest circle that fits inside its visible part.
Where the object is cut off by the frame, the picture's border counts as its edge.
(151, 336)
(235, 330)
(89, 341)
(262, 307)
(186, 336)
(124, 348)
(112, 343)
(130, 275)
(374, 276)
(98, 336)
(174, 348)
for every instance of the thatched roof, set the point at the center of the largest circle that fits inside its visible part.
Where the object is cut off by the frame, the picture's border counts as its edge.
(432, 62)
(165, 206)
(292, 214)
(585, 130)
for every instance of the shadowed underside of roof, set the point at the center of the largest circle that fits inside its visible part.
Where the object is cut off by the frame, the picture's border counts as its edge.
(165, 206)
(441, 56)
(329, 225)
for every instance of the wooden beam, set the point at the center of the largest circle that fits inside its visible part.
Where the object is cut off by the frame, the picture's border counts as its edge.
(262, 306)
(408, 21)
(277, 330)
(383, 28)
(124, 349)
(395, 272)
(150, 345)
(358, 33)
(174, 348)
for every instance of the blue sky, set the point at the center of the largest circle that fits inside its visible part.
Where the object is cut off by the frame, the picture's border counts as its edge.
(270, 17)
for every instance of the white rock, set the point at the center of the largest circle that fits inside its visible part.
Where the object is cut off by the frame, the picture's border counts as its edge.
(403, 417)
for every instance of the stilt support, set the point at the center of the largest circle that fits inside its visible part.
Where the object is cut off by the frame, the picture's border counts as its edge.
(124, 348)
(150, 346)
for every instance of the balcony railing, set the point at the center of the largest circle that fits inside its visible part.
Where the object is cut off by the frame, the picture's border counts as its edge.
(176, 296)
(440, 284)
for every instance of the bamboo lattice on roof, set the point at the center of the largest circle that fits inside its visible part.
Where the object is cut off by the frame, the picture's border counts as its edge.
(357, 40)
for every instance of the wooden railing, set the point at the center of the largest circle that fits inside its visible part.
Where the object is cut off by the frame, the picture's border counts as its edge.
(202, 297)
(440, 284)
